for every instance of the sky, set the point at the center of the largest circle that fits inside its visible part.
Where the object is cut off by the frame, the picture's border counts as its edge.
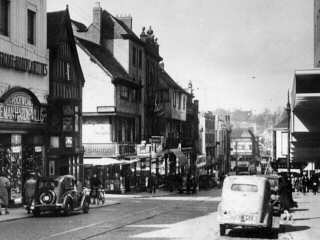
(239, 54)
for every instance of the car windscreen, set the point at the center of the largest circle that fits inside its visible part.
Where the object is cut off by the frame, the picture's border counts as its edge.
(49, 184)
(244, 187)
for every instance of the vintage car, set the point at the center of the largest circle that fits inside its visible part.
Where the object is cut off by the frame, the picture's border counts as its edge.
(60, 194)
(246, 203)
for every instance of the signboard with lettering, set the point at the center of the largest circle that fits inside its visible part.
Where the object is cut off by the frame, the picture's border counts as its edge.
(19, 107)
(23, 64)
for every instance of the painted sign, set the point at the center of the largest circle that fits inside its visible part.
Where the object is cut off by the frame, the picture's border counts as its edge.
(19, 107)
(23, 64)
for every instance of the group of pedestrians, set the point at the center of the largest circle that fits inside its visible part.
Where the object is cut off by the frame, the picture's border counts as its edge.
(305, 184)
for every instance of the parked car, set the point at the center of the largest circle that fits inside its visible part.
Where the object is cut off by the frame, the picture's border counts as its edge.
(246, 203)
(60, 194)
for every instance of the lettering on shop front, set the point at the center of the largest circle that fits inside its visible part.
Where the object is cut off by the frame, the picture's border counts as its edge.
(23, 64)
(19, 107)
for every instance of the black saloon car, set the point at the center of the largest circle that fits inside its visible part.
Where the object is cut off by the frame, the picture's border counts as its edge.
(60, 194)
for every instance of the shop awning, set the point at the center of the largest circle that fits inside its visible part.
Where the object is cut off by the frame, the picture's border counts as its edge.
(101, 161)
(182, 159)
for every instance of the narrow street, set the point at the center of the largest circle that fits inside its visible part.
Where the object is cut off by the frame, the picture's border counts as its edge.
(165, 217)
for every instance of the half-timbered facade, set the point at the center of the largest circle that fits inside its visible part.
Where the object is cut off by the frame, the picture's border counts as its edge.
(65, 107)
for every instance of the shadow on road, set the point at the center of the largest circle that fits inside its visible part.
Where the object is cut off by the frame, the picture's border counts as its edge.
(251, 233)
(292, 228)
(299, 209)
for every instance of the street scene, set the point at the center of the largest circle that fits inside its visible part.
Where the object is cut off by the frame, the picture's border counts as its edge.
(139, 119)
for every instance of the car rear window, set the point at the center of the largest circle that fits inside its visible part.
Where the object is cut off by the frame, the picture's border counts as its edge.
(244, 187)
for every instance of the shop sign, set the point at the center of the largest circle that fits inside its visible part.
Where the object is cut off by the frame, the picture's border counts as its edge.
(23, 64)
(38, 149)
(16, 149)
(19, 107)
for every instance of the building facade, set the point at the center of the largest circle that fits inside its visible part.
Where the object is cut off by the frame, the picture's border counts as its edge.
(65, 152)
(24, 89)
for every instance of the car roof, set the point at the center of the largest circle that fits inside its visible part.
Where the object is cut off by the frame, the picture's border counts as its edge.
(246, 178)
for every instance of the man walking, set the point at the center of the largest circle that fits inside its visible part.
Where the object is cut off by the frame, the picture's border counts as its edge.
(29, 190)
(314, 183)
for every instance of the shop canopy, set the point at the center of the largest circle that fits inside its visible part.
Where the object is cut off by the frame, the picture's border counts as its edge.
(101, 161)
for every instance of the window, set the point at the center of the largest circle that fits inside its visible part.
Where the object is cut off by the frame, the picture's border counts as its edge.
(140, 59)
(184, 102)
(68, 72)
(134, 95)
(244, 188)
(124, 92)
(68, 142)
(4, 17)
(54, 142)
(179, 101)
(134, 56)
(174, 99)
(31, 26)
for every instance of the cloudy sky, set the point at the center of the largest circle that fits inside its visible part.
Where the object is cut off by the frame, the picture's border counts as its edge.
(238, 53)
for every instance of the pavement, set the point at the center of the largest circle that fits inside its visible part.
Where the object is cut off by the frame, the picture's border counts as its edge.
(306, 219)
(20, 213)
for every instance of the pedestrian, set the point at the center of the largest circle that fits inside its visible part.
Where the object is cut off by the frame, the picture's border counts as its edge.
(153, 183)
(95, 184)
(4, 197)
(285, 201)
(314, 180)
(305, 183)
(146, 183)
(29, 190)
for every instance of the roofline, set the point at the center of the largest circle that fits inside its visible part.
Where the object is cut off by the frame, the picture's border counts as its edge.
(307, 71)
(93, 57)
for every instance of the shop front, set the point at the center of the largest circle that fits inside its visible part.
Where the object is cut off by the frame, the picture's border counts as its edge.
(22, 131)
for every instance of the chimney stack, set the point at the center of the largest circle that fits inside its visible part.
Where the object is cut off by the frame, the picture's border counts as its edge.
(126, 19)
(97, 15)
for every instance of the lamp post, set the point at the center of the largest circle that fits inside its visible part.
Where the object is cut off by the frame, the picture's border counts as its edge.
(288, 109)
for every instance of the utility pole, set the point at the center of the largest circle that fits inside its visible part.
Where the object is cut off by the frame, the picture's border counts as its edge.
(288, 109)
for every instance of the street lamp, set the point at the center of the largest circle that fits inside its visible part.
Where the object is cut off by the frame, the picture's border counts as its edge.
(288, 110)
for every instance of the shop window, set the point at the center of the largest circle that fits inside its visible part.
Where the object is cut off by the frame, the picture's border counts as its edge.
(68, 142)
(31, 26)
(124, 92)
(54, 142)
(4, 17)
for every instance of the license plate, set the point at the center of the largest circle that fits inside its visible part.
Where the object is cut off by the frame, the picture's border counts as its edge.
(246, 218)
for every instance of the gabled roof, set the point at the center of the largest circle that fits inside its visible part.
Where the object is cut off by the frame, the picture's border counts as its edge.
(59, 30)
(80, 26)
(105, 58)
(169, 81)
(283, 123)
(240, 133)
(124, 30)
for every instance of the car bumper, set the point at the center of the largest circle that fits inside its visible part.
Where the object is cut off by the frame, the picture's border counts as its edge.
(47, 207)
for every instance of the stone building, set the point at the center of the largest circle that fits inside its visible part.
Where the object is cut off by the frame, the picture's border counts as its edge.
(24, 89)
